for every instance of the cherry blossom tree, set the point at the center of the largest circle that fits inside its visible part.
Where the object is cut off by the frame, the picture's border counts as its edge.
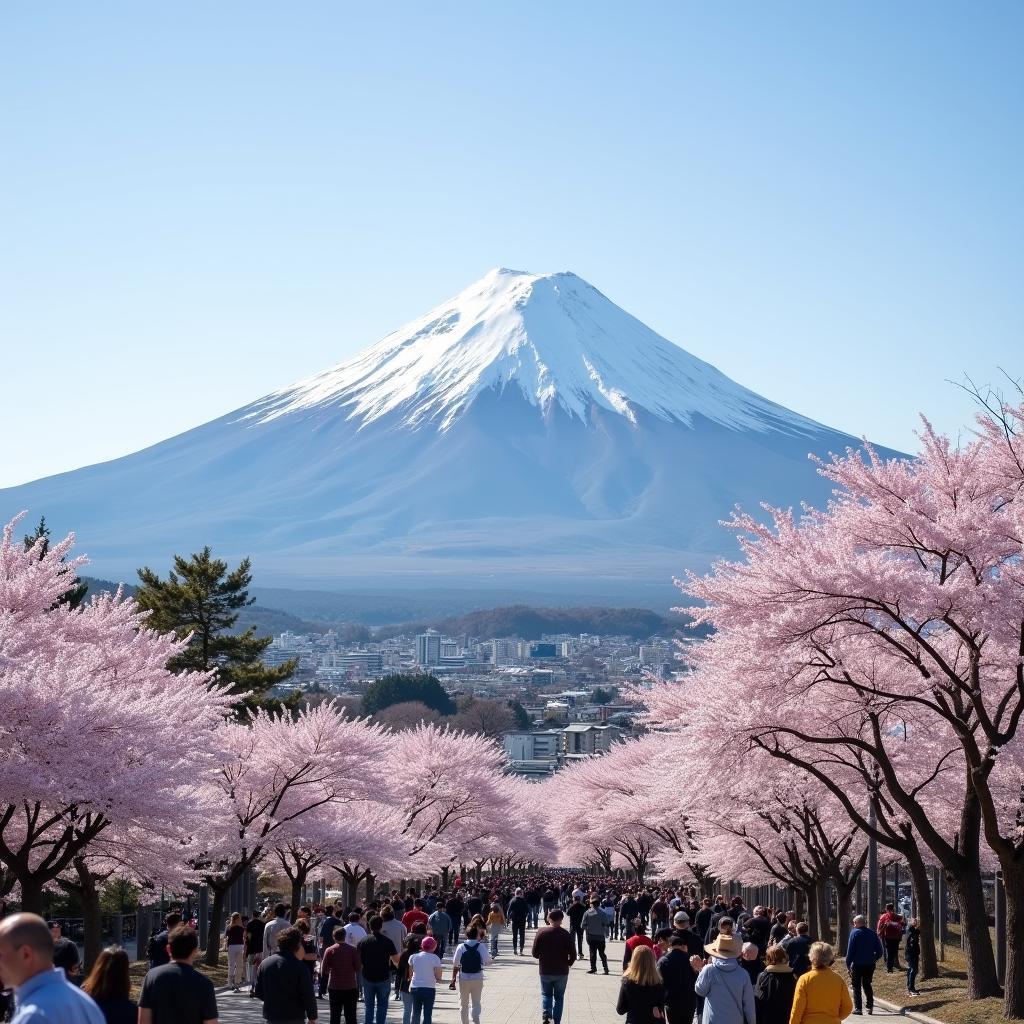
(276, 772)
(91, 720)
(449, 787)
(890, 630)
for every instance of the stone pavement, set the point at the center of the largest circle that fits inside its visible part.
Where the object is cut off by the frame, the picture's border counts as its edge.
(511, 994)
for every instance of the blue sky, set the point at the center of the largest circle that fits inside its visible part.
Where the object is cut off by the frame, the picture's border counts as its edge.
(204, 201)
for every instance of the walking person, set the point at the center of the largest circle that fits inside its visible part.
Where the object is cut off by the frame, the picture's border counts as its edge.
(254, 930)
(325, 939)
(678, 978)
(234, 939)
(863, 951)
(272, 928)
(376, 954)
(402, 993)
(642, 992)
(156, 949)
(518, 913)
(576, 913)
(912, 953)
(495, 924)
(775, 988)
(339, 976)
(468, 965)
(821, 996)
(42, 995)
(890, 931)
(723, 984)
(424, 973)
(109, 984)
(284, 983)
(176, 993)
(439, 924)
(799, 949)
(595, 928)
(555, 952)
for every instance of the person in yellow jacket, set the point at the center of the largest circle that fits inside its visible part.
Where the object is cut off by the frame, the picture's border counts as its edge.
(821, 995)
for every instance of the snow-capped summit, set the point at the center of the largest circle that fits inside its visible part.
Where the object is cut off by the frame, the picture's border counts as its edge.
(527, 434)
(552, 336)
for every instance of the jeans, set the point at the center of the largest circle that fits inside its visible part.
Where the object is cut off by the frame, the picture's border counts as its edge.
(577, 934)
(375, 995)
(423, 1003)
(442, 945)
(912, 966)
(552, 995)
(518, 935)
(680, 1013)
(860, 976)
(533, 915)
(343, 999)
(469, 990)
(406, 1007)
(596, 946)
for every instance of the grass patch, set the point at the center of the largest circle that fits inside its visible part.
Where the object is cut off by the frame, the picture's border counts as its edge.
(944, 997)
(218, 975)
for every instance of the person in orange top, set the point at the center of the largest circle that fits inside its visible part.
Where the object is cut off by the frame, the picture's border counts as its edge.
(821, 996)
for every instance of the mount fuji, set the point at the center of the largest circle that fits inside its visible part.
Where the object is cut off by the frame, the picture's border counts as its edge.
(527, 433)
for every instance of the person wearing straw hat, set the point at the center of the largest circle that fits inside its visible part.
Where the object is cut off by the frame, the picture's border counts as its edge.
(723, 984)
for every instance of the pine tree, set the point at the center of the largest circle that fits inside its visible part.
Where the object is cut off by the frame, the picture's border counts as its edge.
(75, 594)
(202, 597)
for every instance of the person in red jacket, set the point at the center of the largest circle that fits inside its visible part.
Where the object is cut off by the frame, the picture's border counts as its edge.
(638, 938)
(890, 931)
(416, 916)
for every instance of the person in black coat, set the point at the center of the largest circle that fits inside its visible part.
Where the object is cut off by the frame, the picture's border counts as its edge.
(776, 985)
(642, 993)
(678, 978)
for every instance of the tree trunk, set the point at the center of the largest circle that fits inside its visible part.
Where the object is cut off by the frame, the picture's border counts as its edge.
(220, 895)
(1013, 886)
(92, 921)
(297, 882)
(981, 962)
(824, 932)
(844, 891)
(811, 901)
(31, 896)
(370, 882)
(925, 916)
(445, 873)
(799, 904)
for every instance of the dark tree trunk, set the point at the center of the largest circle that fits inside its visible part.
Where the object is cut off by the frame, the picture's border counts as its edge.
(844, 892)
(92, 921)
(811, 900)
(824, 931)
(981, 962)
(370, 883)
(925, 916)
(445, 874)
(297, 882)
(1013, 886)
(220, 894)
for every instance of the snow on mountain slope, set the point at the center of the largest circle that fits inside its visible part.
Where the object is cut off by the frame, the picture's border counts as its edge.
(528, 433)
(553, 336)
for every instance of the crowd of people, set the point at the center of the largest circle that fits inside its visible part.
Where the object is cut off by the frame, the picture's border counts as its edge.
(684, 958)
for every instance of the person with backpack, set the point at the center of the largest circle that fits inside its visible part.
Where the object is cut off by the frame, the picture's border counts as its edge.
(912, 952)
(775, 988)
(890, 931)
(517, 913)
(468, 963)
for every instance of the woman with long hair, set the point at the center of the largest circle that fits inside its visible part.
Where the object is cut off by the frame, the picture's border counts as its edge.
(821, 995)
(234, 939)
(110, 987)
(642, 993)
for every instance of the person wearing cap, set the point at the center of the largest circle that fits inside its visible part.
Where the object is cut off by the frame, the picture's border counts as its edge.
(723, 984)
(682, 999)
(424, 974)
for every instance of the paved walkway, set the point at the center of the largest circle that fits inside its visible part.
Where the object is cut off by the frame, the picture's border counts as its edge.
(511, 994)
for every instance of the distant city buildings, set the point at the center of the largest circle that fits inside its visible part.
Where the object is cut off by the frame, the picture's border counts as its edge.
(555, 679)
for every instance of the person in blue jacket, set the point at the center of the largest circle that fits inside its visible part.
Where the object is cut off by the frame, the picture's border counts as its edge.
(863, 951)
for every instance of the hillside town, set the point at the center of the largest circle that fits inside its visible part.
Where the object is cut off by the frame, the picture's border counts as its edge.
(567, 685)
